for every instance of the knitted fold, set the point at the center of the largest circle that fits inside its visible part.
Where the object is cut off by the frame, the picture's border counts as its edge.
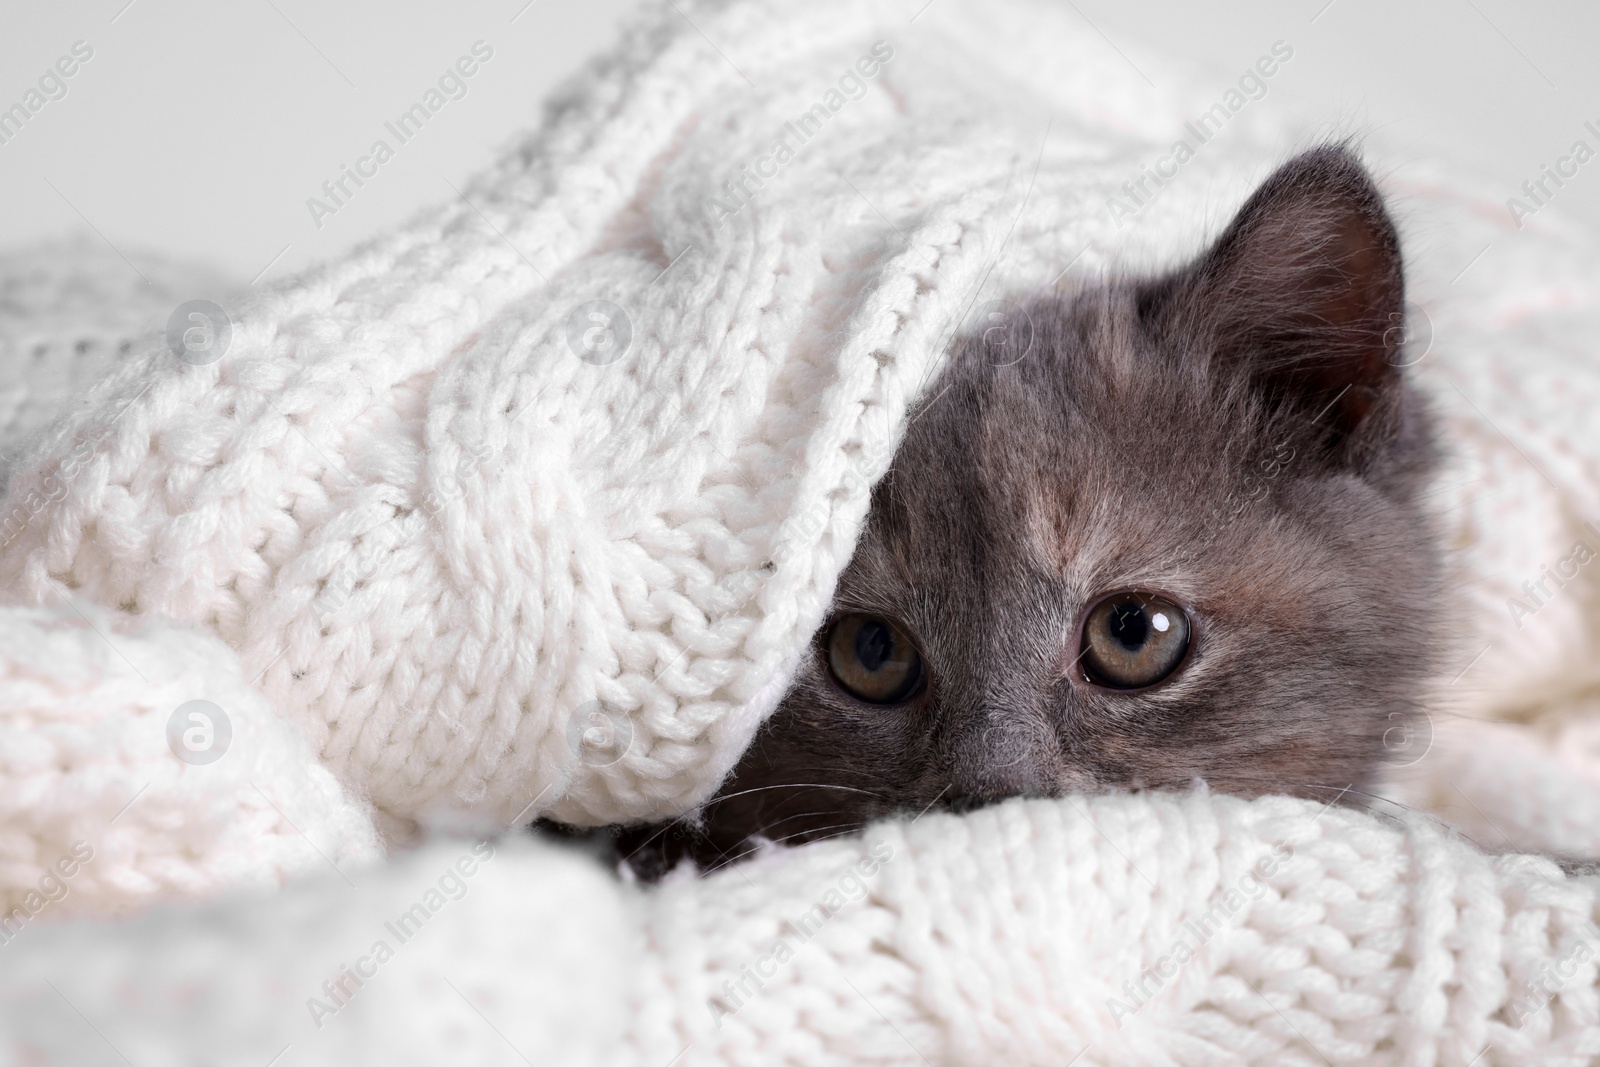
(1108, 930)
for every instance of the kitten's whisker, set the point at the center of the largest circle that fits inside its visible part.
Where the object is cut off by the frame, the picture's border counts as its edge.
(1446, 713)
(846, 832)
(802, 815)
(1300, 783)
(843, 828)
(663, 828)
(1370, 797)
(794, 785)
(826, 768)
(830, 837)
(863, 772)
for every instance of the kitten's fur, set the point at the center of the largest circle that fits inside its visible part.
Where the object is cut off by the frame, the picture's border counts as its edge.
(1236, 435)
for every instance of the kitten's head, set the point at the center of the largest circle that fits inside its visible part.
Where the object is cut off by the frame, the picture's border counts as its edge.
(1181, 539)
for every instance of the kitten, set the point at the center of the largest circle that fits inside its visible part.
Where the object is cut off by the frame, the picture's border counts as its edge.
(1181, 540)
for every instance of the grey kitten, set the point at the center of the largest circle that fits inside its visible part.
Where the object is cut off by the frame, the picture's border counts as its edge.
(1179, 541)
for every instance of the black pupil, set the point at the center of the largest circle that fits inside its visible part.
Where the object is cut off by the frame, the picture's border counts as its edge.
(1129, 625)
(874, 644)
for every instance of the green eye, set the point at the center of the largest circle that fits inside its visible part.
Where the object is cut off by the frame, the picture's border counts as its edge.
(1132, 640)
(873, 659)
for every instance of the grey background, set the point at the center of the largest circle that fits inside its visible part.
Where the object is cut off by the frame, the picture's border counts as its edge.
(198, 131)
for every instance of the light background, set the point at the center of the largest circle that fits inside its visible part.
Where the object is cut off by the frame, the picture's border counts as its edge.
(198, 131)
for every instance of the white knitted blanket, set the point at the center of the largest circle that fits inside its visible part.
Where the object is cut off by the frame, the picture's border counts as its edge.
(527, 507)
(1107, 930)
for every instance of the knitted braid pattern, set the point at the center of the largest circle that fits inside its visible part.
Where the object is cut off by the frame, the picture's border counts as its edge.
(436, 535)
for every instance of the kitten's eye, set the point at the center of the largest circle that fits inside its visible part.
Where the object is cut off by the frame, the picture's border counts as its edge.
(873, 659)
(1132, 640)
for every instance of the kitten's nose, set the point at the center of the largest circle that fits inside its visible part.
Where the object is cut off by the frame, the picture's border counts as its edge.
(1005, 753)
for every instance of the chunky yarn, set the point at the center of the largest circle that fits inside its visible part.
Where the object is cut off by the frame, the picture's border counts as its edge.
(529, 506)
(1115, 930)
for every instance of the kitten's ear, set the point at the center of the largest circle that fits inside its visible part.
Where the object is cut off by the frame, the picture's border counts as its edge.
(1304, 289)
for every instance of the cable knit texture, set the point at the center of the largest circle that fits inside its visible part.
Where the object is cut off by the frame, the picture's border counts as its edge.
(406, 538)
(435, 535)
(1033, 932)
